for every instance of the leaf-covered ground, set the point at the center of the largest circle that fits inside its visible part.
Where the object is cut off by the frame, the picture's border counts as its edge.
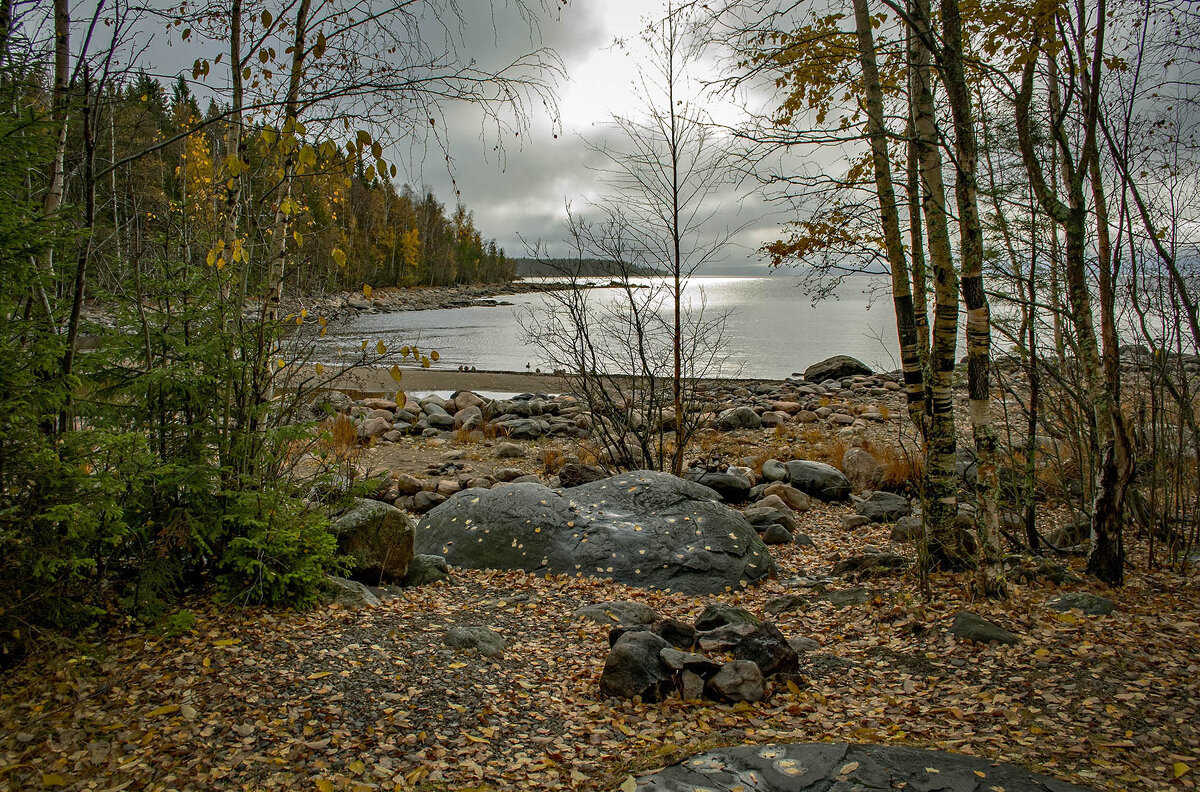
(372, 699)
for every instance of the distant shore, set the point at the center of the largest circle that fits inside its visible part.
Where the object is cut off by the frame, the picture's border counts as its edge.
(378, 381)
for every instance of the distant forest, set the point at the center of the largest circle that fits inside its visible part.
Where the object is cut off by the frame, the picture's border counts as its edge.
(587, 268)
(358, 225)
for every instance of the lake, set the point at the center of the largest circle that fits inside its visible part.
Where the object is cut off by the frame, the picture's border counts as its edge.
(773, 329)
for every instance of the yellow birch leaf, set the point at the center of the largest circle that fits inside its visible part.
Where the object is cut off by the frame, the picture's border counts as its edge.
(168, 709)
(396, 373)
(226, 642)
(381, 347)
(367, 290)
(1179, 768)
(53, 780)
(339, 256)
(320, 369)
(457, 665)
(434, 356)
(629, 785)
(357, 767)
(319, 675)
(324, 785)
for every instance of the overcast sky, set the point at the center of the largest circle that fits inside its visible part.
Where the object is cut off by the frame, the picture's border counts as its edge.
(521, 193)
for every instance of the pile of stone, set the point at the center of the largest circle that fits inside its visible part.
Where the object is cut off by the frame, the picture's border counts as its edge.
(727, 654)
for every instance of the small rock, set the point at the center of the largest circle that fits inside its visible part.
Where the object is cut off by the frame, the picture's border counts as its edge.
(691, 686)
(621, 612)
(773, 470)
(696, 663)
(846, 597)
(768, 649)
(738, 680)
(719, 614)
(974, 627)
(424, 569)
(634, 668)
(351, 593)
(738, 418)
(884, 507)
(1090, 604)
(863, 470)
(509, 451)
(488, 642)
(723, 639)
(852, 521)
(676, 633)
(795, 499)
(802, 645)
(777, 535)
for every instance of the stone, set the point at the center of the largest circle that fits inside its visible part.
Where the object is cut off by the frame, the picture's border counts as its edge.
(408, 485)
(841, 767)
(696, 663)
(507, 474)
(723, 639)
(1090, 604)
(844, 598)
(738, 680)
(380, 539)
(774, 471)
(509, 451)
(863, 470)
(786, 603)
(644, 528)
(425, 569)
(870, 564)
(573, 474)
(350, 593)
(691, 686)
(801, 645)
(974, 627)
(488, 642)
(908, 529)
(803, 539)
(768, 649)
(465, 399)
(818, 480)
(852, 521)
(774, 502)
(777, 535)
(789, 407)
(621, 612)
(523, 428)
(738, 418)
(425, 500)
(468, 418)
(836, 367)
(882, 507)
(762, 516)
(634, 668)
(372, 428)
(679, 634)
(718, 614)
(794, 498)
(732, 487)
(773, 418)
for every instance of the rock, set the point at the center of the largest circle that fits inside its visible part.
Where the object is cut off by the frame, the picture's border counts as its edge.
(787, 407)
(908, 529)
(378, 537)
(408, 485)
(738, 680)
(464, 399)
(425, 500)
(863, 470)
(574, 474)
(852, 521)
(732, 488)
(775, 502)
(773, 418)
(837, 367)
(718, 614)
(738, 418)
(1026, 569)
(622, 612)
(528, 478)
(801, 645)
(677, 633)
(762, 516)
(723, 639)
(838, 767)
(1090, 604)
(372, 428)
(634, 668)
(691, 686)
(844, 598)
(865, 565)
(786, 603)
(768, 649)
(507, 474)
(424, 569)
(468, 418)
(804, 540)
(696, 663)
(807, 416)
(818, 480)
(488, 642)
(777, 535)
(509, 451)
(884, 507)
(973, 627)
(794, 498)
(643, 528)
(351, 593)
(774, 471)
(447, 487)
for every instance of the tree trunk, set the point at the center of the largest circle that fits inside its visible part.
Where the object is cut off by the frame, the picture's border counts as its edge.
(902, 300)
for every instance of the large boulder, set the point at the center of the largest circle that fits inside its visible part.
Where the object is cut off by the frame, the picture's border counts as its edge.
(836, 367)
(634, 667)
(379, 537)
(644, 528)
(732, 487)
(818, 480)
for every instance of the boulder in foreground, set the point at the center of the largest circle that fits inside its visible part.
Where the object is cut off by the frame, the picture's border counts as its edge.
(644, 528)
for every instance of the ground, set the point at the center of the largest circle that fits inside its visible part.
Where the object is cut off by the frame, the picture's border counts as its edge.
(373, 699)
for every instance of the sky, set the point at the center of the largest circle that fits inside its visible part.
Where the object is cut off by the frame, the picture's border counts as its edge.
(519, 194)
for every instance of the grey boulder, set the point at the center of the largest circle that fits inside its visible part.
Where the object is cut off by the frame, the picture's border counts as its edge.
(644, 528)
(818, 479)
(884, 507)
(974, 627)
(379, 537)
(738, 418)
(738, 680)
(1090, 604)
(634, 667)
(424, 569)
(621, 613)
(487, 642)
(836, 367)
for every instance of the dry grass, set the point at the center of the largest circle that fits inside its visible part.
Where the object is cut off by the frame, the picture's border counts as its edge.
(552, 459)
